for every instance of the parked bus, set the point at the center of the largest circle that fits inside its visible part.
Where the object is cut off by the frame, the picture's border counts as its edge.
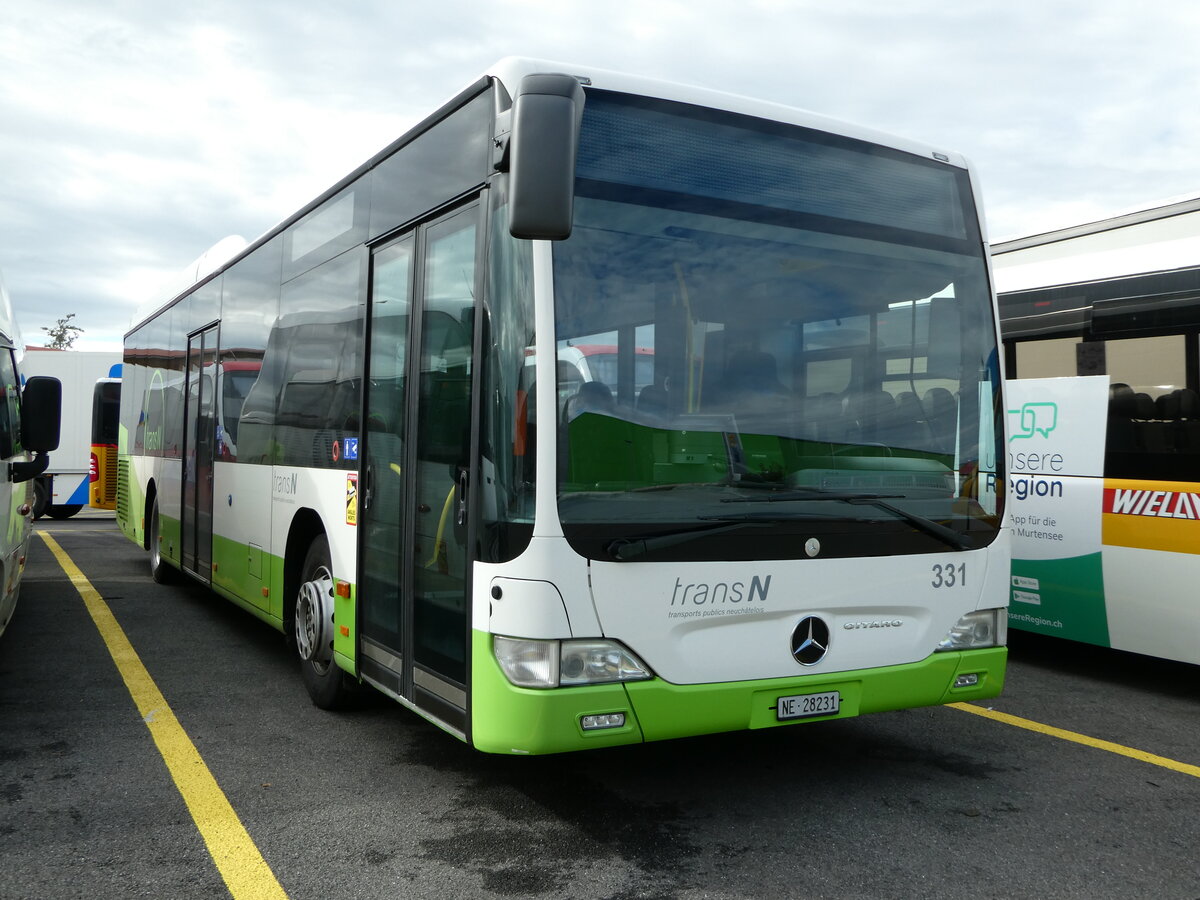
(29, 421)
(64, 488)
(105, 433)
(1101, 328)
(789, 510)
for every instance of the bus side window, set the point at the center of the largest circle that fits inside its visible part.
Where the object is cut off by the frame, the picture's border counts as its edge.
(10, 409)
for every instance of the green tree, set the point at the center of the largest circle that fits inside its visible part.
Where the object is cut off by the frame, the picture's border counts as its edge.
(63, 334)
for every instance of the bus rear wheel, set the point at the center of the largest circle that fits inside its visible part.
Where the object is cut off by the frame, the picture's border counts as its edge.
(63, 511)
(160, 570)
(40, 498)
(327, 685)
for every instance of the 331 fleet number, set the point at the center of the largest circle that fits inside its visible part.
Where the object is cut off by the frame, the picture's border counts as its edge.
(950, 576)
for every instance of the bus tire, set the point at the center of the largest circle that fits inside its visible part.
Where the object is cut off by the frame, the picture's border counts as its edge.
(40, 498)
(328, 686)
(160, 570)
(63, 511)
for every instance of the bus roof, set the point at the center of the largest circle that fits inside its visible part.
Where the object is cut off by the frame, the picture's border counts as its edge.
(510, 70)
(508, 73)
(1159, 237)
(10, 332)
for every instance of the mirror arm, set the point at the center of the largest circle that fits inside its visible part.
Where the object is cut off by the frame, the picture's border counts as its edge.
(25, 471)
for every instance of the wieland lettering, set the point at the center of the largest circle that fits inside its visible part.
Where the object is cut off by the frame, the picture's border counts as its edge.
(1152, 504)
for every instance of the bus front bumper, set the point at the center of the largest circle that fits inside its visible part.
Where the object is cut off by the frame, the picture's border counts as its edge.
(508, 719)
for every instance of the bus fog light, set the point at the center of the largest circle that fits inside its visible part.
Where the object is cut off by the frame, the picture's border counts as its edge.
(608, 720)
(599, 662)
(528, 663)
(978, 629)
(969, 680)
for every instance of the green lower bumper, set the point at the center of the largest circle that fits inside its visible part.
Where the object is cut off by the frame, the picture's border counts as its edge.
(507, 719)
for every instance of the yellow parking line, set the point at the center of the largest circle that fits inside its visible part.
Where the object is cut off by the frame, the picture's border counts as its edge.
(1030, 725)
(246, 873)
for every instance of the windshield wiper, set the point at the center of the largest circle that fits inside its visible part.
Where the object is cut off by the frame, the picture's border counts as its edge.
(775, 495)
(631, 548)
(935, 529)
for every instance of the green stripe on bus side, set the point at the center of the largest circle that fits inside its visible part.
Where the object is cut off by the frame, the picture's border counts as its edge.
(507, 719)
(171, 542)
(243, 572)
(130, 523)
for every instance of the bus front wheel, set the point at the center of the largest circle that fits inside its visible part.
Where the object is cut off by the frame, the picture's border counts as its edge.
(328, 686)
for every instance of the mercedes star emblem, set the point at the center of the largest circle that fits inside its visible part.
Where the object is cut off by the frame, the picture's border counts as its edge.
(810, 641)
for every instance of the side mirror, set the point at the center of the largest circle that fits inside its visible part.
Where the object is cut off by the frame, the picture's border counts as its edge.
(41, 417)
(547, 113)
(41, 414)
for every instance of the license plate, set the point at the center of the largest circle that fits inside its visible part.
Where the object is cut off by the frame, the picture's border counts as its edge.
(802, 705)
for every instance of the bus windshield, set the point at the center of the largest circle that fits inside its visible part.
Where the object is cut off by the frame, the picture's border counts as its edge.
(794, 318)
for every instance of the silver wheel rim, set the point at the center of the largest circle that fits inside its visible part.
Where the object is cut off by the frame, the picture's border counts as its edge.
(314, 616)
(155, 553)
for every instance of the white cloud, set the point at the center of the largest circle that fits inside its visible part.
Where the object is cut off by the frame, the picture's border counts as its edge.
(137, 134)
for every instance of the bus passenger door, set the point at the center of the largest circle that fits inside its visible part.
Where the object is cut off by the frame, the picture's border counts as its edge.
(414, 561)
(383, 460)
(200, 428)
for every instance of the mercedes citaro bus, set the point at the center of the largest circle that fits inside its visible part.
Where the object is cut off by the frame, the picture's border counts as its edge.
(779, 500)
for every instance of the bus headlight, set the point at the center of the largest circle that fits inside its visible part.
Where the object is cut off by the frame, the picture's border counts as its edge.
(976, 630)
(598, 662)
(547, 664)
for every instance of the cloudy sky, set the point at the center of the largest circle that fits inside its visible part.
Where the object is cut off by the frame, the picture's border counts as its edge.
(137, 133)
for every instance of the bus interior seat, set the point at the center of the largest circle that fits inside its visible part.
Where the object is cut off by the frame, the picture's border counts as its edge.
(654, 401)
(941, 415)
(592, 397)
(826, 418)
(1187, 426)
(1154, 434)
(752, 382)
(1122, 410)
(912, 420)
(875, 414)
(895, 422)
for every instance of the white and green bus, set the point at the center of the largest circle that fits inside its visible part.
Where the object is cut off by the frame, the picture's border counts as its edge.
(1101, 325)
(778, 501)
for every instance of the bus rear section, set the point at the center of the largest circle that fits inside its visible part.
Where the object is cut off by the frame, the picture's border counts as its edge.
(64, 489)
(657, 412)
(1100, 325)
(106, 422)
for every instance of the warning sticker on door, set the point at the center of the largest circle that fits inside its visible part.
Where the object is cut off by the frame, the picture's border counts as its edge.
(352, 498)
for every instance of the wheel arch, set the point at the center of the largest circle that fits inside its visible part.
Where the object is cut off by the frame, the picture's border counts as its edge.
(151, 499)
(305, 528)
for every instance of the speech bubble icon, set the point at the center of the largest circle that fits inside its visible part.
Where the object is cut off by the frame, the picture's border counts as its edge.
(1039, 417)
